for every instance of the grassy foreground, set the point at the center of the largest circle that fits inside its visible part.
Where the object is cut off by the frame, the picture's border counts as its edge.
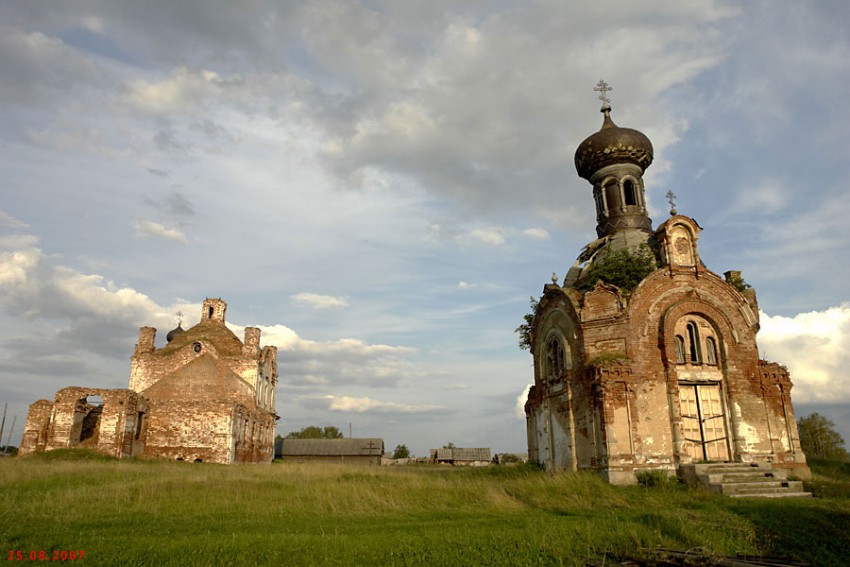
(166, 513)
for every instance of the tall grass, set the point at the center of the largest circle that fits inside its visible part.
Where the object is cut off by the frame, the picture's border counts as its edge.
(164, 513)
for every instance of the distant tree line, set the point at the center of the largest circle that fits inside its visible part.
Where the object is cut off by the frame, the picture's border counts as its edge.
(401, 452)
(819, 438)
(315, 432)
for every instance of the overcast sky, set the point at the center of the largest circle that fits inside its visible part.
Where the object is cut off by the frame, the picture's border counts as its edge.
(381, 185)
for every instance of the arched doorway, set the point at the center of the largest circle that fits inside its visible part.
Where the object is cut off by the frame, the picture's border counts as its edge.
(702, 407)
(87, 420)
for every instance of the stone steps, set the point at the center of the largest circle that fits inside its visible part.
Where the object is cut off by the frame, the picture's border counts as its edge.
(743, 480)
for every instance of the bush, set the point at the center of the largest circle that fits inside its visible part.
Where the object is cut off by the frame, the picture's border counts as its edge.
(656, 479)
(819, 438)
(623, 268)
(401, 452)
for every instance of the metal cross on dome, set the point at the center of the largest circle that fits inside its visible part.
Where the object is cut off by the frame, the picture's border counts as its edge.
(671, 198)
(602, 87)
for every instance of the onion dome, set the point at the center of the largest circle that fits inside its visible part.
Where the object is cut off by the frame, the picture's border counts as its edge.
(173, 333)
(611, 145)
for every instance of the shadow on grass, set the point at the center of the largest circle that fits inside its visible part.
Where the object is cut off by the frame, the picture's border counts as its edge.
(815, 531)
(71, 455)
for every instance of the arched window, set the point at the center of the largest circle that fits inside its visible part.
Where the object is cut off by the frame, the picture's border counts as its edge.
(556, 358)
(710, 350)
(693, 343)
(612, 194)
(629, 192)
(680, 349)
(597, 197)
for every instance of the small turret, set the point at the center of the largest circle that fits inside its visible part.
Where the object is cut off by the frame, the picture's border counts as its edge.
(213, 310)
(252, 341)
(147, 335)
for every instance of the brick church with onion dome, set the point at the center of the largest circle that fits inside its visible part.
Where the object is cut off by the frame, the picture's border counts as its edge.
(644, 359)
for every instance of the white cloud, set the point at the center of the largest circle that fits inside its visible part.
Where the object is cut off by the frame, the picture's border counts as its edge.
(346, 361)
(31, 284)
(18, 241)
(815, 347)
(768, 196)
(490, 236)
(16, 265)
(466, 285)
(361, 405)
(150, 228)
(320, 301)
(536, 233)
(519, 408)
(35, 66)
(183, 90)
(11, 222)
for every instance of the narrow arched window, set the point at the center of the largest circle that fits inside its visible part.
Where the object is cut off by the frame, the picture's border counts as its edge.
(612, 195)
(710, 350)
(693, 343)
(629, 192)
(680, 350)
(600, 206)
(556, 358)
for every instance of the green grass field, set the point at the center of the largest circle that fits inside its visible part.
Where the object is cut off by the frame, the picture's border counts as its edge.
(167, 513)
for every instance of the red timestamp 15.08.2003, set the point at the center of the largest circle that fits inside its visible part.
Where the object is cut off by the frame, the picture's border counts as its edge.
(42, 555)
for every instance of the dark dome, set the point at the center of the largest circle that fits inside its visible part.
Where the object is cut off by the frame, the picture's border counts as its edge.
(610, 145)
(172, 334)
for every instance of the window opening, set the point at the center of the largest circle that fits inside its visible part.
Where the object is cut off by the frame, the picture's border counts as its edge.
(612, 195)
(556, 358)
(139, 419)
(90, 409)
(710, 350)
(680, 350)
(210, 312)
(693, 340)
(629, 190)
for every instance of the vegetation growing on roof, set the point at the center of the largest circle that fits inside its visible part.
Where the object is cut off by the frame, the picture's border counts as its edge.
(524, 330)
(622, 268)
(737, 281)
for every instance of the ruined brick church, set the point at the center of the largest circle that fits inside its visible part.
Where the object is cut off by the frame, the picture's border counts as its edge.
(643, 358)
(206, 396)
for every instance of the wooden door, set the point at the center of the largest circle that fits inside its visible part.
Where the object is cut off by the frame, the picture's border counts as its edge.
(703, 422)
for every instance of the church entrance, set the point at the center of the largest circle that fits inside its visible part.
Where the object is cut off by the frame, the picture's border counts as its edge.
(703, 422)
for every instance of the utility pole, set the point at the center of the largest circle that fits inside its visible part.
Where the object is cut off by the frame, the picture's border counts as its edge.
(3, 423)
(9, 437)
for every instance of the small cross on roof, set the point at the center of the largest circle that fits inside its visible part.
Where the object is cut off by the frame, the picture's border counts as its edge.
(602, 87)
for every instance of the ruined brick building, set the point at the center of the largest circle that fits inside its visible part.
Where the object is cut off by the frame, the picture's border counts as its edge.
(205, 396)
(649, 369)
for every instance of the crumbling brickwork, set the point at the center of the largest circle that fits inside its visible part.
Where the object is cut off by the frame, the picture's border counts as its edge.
(649, 376)
(205, 396)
